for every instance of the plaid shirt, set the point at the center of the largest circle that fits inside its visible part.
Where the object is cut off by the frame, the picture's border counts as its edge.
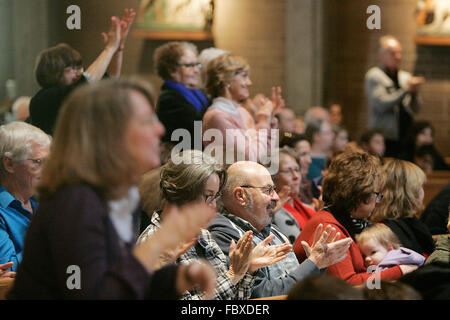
(206, 248)
(276, 279)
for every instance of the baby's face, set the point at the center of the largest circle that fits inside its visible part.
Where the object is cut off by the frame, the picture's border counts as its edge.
(373, 252)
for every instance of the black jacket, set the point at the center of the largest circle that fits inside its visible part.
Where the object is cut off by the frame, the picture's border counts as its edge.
(175, 112)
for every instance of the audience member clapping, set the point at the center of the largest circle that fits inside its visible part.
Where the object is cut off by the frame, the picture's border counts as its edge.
(59, 70)
(180, 103)
(351, 190)
(243, 136)
(199, 179)
(88, 215)
(248, 203)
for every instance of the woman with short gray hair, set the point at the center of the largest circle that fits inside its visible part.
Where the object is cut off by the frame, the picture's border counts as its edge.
(23, 150)
(197, 177)
(180, 103)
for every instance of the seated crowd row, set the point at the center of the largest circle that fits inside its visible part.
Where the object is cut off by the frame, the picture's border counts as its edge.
(257, 226)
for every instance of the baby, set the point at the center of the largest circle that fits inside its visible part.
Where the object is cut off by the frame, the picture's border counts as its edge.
(380, 247)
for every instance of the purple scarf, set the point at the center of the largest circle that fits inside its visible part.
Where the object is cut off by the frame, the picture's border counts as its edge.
(194, 96)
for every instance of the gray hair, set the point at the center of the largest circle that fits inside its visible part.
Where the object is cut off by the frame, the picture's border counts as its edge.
(184, 181)
(17, 139)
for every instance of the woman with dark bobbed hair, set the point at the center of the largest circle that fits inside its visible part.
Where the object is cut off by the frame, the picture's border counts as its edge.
(195, 177)
(59, 70)
(81, 243)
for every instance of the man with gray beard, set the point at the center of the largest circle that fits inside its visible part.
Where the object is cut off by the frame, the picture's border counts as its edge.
(248, 202)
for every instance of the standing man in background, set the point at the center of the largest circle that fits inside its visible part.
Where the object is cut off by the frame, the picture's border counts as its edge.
(392, 95)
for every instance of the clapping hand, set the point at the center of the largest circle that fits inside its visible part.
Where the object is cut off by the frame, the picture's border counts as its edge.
(125, 25)
(414, 83)
(326, 249)
(119, 30)
(112, 38)
(277, 100)
(240, 257)
(264, 255)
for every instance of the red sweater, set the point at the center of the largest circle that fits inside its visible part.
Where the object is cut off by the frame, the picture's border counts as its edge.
(300, 212)
(352, 268)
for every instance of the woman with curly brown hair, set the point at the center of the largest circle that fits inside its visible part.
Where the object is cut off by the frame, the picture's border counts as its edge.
(402, 201)
(351, 189)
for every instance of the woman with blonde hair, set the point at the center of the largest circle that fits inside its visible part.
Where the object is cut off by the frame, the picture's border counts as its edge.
(81, 243)
(402, 201)
(243, 137)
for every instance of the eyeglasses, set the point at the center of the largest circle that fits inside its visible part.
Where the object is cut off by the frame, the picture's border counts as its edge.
(291, 171)
(378, 196)
(210, 198)
(191, 65)
(268, 190)
(37, 163)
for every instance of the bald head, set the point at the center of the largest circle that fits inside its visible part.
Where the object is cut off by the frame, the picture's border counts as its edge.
(243, 173)
(390, 52)
(249, 193)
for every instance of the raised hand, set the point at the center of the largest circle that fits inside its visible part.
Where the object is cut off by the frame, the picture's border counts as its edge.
(265, 110)
(277, 100)
(240, 257)
(125, 25)
(113, 37)
(326, 250)
(264, 255)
